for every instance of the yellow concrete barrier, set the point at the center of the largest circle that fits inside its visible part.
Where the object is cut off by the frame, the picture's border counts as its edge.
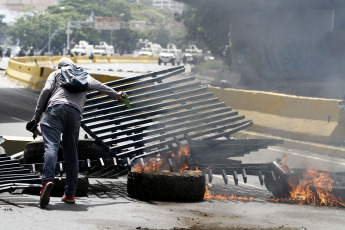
(104, 78)
(30, 61)
(23, 72)
(82, 60)
(100, 59)
(302, 118)
(43, 61)
(55, 59)
(129, 59)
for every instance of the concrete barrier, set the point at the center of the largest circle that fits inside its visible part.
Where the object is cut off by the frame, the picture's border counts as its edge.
(129, 59)
(23, 72)
(55, 59)
(43, 61)
(100, 59)
(82, 60)
(301, 118)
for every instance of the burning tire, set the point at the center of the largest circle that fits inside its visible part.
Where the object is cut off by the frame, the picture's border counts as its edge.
(168, 186)
(87, 149)
(282, 181)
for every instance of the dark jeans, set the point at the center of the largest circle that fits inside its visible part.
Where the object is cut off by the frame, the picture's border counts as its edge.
(65, 120)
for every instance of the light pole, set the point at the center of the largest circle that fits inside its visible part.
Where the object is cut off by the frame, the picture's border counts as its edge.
(68, 32)
(49, 37)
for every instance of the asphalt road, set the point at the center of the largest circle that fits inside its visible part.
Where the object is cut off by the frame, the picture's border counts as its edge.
(109, 207)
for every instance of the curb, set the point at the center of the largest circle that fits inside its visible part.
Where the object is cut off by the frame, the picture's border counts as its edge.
(329, 150)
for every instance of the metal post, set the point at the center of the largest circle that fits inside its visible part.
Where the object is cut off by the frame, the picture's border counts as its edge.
(68, 32)
(49, 37)
(111, 37)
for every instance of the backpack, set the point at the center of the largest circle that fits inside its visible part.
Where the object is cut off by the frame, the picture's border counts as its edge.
(74, 79)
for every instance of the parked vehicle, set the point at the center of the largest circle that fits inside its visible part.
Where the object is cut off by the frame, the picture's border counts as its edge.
(82, 49)
(103, 49)
(192, 54)
(147, 49)
(146, 52)
(170, 55)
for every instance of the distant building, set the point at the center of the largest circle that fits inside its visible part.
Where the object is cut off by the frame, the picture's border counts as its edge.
(17, 5)
(164, 4)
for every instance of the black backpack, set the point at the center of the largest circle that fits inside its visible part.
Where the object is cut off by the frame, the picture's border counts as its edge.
(74, 79)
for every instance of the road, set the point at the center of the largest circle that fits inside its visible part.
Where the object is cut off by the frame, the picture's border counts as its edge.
(112, 209)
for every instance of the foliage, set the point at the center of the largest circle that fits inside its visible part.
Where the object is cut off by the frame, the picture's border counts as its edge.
(32, 29)
(3, 29)
(209, 65)
(210, 27)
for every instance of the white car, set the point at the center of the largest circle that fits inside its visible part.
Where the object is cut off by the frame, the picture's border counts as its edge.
(170, 56)
(81, 50)
(146, 52)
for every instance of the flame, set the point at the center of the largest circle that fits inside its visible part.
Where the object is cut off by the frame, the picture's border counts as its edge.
(154, 165)
(284, 160)
(209, 195)
(315, 189)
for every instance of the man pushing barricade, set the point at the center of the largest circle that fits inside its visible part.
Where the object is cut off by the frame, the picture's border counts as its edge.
(62, 100)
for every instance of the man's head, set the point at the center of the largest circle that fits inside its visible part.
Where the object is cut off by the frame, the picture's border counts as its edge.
(65, 61)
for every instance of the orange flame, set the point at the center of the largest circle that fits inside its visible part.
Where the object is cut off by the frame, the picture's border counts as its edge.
(315, 189)
(209, 195)
(155, 166)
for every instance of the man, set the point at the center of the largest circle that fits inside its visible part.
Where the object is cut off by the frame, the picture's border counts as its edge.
(63, 113)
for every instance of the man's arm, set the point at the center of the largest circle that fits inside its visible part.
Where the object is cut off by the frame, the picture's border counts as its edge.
(44, 97)
(97, 85)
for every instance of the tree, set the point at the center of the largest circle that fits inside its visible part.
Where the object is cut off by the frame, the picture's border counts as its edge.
(210, 27)
(3, 29)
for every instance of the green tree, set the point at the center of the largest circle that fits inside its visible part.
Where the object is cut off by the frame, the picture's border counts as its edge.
(209, 26)
(3, 29)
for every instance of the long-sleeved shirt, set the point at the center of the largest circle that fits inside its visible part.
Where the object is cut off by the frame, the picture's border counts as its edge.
(53, 94)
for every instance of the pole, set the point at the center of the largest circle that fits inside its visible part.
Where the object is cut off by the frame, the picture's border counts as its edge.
(68, 32)
(49, 37)
(111, 37)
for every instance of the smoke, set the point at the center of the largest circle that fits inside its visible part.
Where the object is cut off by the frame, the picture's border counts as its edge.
(280, 45)
(10, 16)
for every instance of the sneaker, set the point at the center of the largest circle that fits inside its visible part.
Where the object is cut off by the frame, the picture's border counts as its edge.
(45, 193)
(68, 199)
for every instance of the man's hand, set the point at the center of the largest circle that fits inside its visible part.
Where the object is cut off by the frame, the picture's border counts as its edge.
(119, 98)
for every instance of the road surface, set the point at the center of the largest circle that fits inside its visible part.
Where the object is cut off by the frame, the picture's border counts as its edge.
(108, 207)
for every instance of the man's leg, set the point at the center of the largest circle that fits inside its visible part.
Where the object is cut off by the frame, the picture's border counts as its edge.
(51, 131)
(70, 151)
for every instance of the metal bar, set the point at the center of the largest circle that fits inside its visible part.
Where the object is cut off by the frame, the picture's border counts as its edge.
(141, 149)
(165, 113)
(244, 175)
(261, 179)
(122, 81)
(11, 186)
(210, 175)
(177, 132)
(158, 130)
(148, 107)
(225, 177)
(150, 101)
(21, 180)
(148, 122)
(93, 103)
(235, 178)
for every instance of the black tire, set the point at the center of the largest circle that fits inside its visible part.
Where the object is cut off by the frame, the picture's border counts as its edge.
(167, 186)
(60, 183)
(284, 180)
(87, 149)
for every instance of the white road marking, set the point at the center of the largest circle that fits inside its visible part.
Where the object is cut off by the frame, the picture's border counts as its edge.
(301, 155)
(18, 119)
(9, 86)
